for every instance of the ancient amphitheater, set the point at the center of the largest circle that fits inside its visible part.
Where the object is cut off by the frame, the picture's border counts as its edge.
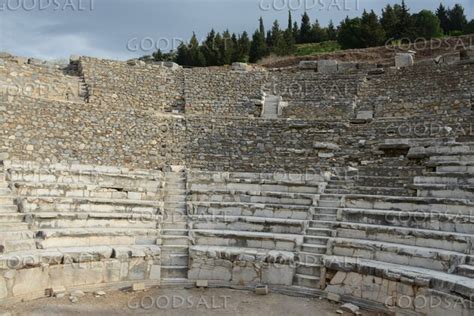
(351, 181)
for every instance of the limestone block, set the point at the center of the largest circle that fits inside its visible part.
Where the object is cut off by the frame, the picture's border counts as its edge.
(35, 61)
(365, 115)
(155, 272)
(3, 288)
(404, 60)
(448, 59)
(245, 273)
(338, 278)
(239, 67)
(31, 281)
(137, 269)
(324, 145)
(171, 65)
(5, 55)
(278, 274)
(327, 66)
(346, 67)
(308, 64)
(74, 58)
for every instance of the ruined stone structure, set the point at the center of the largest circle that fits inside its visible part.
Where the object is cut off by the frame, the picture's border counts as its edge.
(350, 181)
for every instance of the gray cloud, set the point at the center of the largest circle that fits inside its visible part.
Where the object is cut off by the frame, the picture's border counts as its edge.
(105, 29)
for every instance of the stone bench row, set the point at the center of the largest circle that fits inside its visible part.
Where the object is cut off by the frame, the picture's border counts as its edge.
(241, 265)
(430, 220)
(400, 288)
(412, 256)
(451, 241)
(251, 197)
(288, 211)
(29, 275)
(85, 190)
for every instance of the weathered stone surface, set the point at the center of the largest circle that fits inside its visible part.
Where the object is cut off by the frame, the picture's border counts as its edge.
(404, 60)
(327, 66)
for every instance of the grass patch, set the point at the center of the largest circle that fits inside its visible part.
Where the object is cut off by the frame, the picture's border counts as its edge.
(317, 48)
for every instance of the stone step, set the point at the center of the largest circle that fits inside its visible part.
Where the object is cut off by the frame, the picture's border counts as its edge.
(326, 210)
(15, 234)
(174, 240)
(309, 269)
(96, 237)
(173, 272)
(18, 245)
(89, 205)
(321, 224)
(175, 259)
(422, 257)
(174, 200)
(105, 220)
(314, 248)
(10, 218)
(329, 203)
(322, 232)
(419, 204)
(465, 270)
(430, 220)
(252, 197)
(7, 200)
(316, 240)
(284, 242)
(462, 192)
(325, 217)
(13, 225)
(174, 225)
(306, 281)
(256, 186)
(7, 209)
(5, 192)
(175, 232)
(310, 258)
(249, 209)
(174, 249)
(248, 223)
(456, 169)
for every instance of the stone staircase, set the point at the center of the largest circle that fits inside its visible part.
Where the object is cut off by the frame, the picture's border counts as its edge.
(174, 228)
(319, 231)
(74, 69)
(270, 106)
(14, 232)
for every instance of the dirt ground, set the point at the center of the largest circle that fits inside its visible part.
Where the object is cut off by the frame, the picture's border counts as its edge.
(180, 302)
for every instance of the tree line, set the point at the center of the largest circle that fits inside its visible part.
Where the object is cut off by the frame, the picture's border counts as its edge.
(369, 30)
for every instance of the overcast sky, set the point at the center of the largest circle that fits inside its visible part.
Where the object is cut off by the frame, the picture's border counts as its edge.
(116, 29)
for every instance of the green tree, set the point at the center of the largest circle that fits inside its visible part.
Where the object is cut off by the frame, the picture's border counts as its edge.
(318, 34)
(427, 25)
(389, 22)
(469, 28)
(243, 47)
(258, 47)
(261, 26)
(442, 14)
(457, 18)
(405, 25)
(331, 31)
(305, 29)
(210, 50)
(349, 35)
(371, 31)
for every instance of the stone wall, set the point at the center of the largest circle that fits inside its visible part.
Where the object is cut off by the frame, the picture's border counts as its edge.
(224, 92)
(53, 131)
(314, 95)
(138, 85)
(423, 89)
(51, 82)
